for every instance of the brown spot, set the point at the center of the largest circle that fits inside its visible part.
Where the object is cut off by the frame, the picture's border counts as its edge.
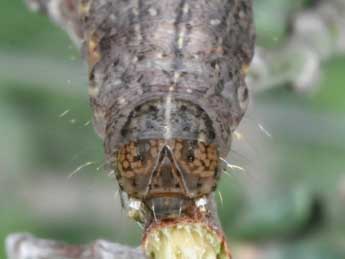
(197, 162)
(94, 54)
(125, 164)
(178, 146)
(130, 158)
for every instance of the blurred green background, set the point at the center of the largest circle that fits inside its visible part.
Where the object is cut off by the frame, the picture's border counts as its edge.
(290, 202)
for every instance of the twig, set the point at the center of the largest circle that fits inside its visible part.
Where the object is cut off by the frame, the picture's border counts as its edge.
(26, 246)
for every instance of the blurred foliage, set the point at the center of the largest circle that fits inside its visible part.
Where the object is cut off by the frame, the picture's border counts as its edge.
(302, 211)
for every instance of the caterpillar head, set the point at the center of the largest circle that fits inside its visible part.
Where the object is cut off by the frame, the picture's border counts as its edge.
(168, 176)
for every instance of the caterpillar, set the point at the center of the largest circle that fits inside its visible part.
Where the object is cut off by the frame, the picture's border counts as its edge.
(167, 90)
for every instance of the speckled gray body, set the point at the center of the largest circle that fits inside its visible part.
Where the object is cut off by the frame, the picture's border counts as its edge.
(190, 53)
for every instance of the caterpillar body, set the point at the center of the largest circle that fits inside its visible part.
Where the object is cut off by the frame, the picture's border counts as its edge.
(167, 89)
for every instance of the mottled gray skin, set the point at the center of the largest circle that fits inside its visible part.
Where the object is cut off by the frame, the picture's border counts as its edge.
(163, 69)
(159, 51)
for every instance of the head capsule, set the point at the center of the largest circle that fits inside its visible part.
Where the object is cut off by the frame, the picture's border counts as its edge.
(168, 176)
